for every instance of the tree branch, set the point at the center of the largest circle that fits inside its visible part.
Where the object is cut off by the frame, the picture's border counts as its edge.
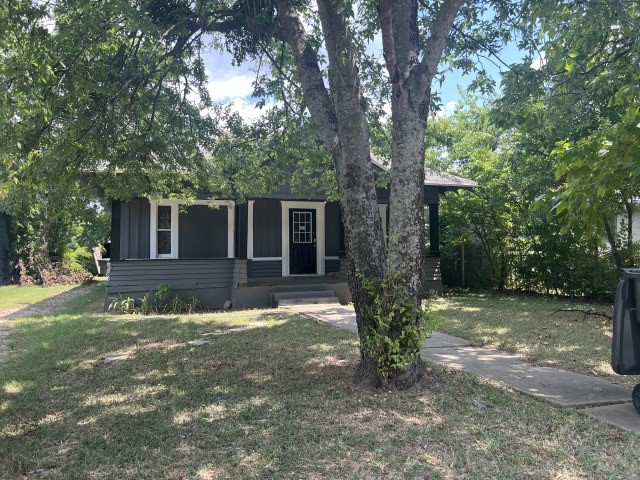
(315, 92)
(438, 38)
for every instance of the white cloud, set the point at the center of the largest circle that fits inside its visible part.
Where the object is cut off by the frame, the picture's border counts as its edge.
(248, 110)
(233, 87)
(229, 88)
(538, 62)
(446, 110)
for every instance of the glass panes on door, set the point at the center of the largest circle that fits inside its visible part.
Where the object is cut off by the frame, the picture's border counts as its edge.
(164, 230)
(302, 227)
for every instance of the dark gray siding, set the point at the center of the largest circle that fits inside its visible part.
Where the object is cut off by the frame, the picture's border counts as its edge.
(332, 265)
(5, 270)
(211, 280)
(144, 275)
(203, 232)
(385, 212)
(267, 228)
(431, 194)
(333, 229)
(114, 248)
(432, 275)
(130, 229)
(267, 268)
(383, 195)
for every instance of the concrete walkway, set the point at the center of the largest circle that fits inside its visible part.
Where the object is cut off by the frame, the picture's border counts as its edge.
(593, 396)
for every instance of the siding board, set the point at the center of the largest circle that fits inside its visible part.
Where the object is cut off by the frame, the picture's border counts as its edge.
(242, 217)
(210, 278)
(267, 268)
(332, 229)
(115, 230)
(432, 269)
(267, 228)
(332, 265)
(130, 229)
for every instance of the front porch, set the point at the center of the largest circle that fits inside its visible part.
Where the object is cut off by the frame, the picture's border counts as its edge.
(215, 281)
(220, 281)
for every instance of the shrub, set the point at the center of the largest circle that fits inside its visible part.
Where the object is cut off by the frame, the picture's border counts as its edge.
(160, 301)
(61, 274)
(80, 259)
(34, 272)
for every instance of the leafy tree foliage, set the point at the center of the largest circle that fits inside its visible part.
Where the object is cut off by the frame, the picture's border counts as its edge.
(509, 215)
(110, 95)
(586, 97)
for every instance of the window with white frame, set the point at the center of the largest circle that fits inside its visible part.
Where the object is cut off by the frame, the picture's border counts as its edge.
(164, 230)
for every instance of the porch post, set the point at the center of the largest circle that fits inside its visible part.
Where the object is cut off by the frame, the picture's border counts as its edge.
(434, 230)
(241, 230)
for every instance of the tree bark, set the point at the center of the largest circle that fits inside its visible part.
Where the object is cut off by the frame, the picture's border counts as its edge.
(410, 79)
(341, 119)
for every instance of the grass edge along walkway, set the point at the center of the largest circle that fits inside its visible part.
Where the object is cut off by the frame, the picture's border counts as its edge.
(594, 396)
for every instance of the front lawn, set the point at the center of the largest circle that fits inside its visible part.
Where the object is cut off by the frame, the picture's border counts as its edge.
(13, 297)
(272, 401)
(527, 325)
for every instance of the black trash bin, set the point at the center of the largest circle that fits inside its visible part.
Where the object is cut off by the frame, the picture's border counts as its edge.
(625, 347)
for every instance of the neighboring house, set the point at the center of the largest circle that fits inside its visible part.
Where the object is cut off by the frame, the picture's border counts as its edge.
(622, 221)
(5, 270)
(278, 247)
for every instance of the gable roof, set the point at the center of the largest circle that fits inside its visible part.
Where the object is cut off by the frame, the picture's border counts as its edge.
(434, 178)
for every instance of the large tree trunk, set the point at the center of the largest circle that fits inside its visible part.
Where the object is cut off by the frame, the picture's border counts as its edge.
(386, 291)
(344, 129)
(411, 78)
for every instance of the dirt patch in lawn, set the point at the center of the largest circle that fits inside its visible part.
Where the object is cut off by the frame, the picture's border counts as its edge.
(47, 306)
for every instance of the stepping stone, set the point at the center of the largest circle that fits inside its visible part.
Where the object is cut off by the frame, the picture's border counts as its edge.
(338, 316)
(198, 343)
(224, 332)
(113, 357)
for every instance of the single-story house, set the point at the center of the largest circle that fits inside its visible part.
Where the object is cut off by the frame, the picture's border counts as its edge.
(271, 249)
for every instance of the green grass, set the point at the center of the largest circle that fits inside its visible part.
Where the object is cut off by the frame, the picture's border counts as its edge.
(13, 297)
(272, 401)
(528, 326)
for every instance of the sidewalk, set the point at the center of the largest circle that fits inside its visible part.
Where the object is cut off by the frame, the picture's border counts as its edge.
(592, 396)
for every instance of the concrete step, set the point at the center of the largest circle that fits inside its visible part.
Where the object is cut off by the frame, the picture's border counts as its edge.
(305, 294)
(289, 302)
(302, 287)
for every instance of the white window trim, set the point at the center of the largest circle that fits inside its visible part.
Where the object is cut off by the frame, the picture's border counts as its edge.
(175, 224)
(319, 207)
(250, 229)
(153, 227)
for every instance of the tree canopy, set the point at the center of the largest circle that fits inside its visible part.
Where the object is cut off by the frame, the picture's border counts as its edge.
(586, 99)
(109, 99)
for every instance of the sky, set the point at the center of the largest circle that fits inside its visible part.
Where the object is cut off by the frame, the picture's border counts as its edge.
(229, 84)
